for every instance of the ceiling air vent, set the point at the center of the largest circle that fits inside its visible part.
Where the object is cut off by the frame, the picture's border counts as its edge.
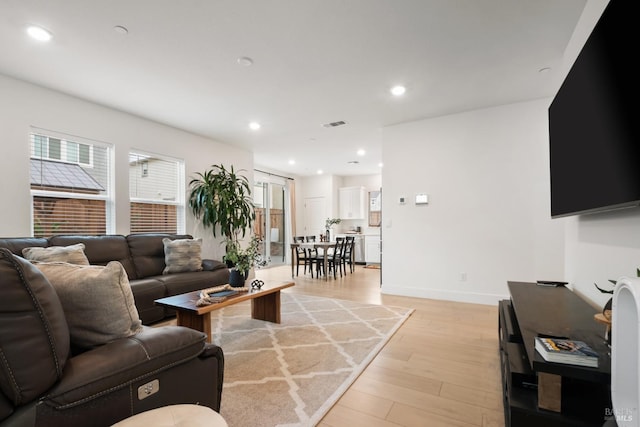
(334, 124)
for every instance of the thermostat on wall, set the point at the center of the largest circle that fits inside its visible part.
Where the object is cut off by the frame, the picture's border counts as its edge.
(402, 200)
(422, 199)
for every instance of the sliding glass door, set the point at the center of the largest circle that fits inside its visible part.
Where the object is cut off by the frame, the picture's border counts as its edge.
(269, 200)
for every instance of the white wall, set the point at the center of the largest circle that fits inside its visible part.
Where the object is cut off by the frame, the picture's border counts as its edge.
(325, 186)
(369, 182)
(600, 247)
(487, 176)
(593, 248)
(23, 105)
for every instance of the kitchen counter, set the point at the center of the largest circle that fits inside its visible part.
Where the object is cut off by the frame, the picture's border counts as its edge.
(367, 246)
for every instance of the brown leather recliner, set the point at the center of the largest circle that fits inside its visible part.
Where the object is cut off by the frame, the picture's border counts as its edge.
(43, 384)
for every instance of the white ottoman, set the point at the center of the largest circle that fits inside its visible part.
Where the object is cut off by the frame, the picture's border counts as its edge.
(175, 416)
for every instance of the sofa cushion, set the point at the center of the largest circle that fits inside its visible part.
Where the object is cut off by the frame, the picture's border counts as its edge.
(191, 281)
(181, 255)
(147, 251)
(213, 264)
(122, 362)
(17, 244)
(145, 292)
(97, 301)
(34, 336)
(72, 254)
(101, 250)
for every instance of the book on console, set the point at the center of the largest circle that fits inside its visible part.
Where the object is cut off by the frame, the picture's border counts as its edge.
(566, 351)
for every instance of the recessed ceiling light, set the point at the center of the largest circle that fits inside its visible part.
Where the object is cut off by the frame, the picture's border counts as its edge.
(380, 164)
(121, 30)
(320, 172)
(398, 90)
(292, 162)
(361, 152)
(245, 61)
(254, 125)
(39, 33)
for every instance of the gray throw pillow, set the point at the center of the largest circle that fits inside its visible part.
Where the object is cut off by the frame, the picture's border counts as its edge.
(182, 255)
(73, 254)
(97, 301)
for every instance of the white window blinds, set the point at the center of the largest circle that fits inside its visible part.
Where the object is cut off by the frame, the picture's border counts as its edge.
(156, 193)
(70, 185)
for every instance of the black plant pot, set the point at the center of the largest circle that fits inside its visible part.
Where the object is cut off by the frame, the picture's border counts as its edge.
(236, 279)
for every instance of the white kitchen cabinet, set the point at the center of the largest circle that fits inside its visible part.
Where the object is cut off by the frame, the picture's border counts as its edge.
(372, 249)
(352, 202)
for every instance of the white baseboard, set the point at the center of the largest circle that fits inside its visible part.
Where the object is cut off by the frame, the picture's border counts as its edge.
(470, 297)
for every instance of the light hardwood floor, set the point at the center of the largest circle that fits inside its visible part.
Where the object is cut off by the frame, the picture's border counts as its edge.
(441, 368)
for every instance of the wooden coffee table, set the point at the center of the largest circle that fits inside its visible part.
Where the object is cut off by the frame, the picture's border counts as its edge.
(265, 305)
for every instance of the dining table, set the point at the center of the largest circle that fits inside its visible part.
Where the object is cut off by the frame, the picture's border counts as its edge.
(312, 245)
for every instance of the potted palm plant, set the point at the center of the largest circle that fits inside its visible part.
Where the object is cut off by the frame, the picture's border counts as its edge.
(221, 198)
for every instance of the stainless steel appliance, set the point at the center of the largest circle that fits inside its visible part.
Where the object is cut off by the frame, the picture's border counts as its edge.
(358, 249)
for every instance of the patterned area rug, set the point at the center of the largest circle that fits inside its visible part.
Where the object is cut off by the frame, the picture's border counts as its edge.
(291, 374)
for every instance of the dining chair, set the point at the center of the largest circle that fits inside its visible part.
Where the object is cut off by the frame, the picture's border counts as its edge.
(312, 256)
(334, 260)
(315, 252)
(301, 255)
(347, 256)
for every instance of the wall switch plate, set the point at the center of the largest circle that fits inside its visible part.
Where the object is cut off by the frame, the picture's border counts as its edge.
(422, 199)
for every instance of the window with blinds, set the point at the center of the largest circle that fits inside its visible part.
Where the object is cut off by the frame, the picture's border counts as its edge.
(70, 185)
(156, 193)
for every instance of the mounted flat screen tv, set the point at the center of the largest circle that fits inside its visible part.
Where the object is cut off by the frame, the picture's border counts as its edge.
(593, 128)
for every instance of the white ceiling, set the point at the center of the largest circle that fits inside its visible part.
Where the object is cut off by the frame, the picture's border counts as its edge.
(314, 62)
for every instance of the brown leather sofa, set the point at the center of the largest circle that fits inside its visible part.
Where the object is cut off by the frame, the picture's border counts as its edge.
(142, 256)
(43, 384)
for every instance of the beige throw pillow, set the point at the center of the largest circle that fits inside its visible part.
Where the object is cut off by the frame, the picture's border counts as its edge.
(182, 255)
(97, 301)
(73, 254)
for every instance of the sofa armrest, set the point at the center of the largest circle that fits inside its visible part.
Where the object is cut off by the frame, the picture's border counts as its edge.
(212, 351)
(212, 264)
(119, 363)
(23, 416)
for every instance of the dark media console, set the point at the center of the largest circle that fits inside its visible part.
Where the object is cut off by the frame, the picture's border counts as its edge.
(537, 392)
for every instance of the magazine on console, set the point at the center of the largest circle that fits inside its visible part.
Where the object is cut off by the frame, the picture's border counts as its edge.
(566, 351)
